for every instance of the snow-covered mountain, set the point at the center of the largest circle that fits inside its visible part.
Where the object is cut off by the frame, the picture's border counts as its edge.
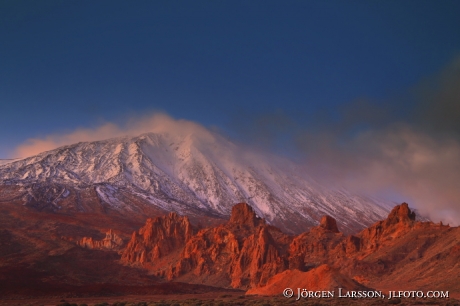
(199, 173)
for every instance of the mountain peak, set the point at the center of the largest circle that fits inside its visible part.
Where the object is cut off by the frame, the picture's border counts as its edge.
(190, 171)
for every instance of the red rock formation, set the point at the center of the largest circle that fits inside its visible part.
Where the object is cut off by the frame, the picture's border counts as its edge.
(111, 242)
(400, 220)
(241, 253)
(158, 238)
(258, 260)
(329, 223)
(323, 244)
(247, 253)
(244, 215)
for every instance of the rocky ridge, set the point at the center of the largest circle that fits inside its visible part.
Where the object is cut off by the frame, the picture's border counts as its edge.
(242, 253)
(247, 253)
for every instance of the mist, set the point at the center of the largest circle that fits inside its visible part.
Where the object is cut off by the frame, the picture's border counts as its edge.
(403, 149)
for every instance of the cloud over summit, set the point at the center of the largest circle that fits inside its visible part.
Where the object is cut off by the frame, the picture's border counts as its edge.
(156, 123)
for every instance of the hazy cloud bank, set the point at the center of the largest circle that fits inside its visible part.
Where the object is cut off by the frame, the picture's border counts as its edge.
(407, 149)
(403, 149)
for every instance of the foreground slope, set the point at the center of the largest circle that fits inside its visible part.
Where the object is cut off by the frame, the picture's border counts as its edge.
(321, 278)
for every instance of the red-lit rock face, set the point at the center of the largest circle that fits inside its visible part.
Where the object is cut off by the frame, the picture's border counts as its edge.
(158, 238)
(240, 254)
(247, 253)
(243, 214)
(329, 223)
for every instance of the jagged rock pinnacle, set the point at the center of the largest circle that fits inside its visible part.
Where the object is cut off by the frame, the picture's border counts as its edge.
(401, 213)
(329, 223)
(243, 214)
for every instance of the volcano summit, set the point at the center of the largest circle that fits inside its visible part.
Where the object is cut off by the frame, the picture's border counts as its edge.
(195, 174)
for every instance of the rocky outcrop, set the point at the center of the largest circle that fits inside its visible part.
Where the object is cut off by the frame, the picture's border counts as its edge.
(159, 237)
(243, 253)
(240, 254)
(246, 253)
(401, 213)
(244, 215)
(323, 244)
(111, 241)
(400, 220)
(328, 223)
(258, 260)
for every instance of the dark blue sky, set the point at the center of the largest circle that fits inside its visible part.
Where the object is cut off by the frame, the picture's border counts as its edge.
(70, 64)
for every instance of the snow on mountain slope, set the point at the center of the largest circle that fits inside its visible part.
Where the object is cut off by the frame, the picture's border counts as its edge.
(184, 172)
